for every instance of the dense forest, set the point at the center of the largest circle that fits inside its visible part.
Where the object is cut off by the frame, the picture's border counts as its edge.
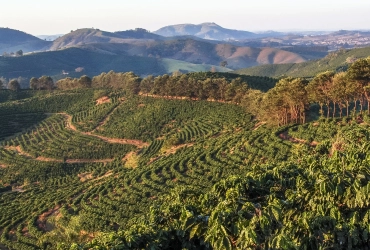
(188, 161)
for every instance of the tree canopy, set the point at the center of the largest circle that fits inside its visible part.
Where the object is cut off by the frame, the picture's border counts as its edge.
(14, 85)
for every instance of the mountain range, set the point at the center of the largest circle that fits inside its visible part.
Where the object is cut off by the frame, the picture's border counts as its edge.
(133, 50)
(184, 47)
(209, 31)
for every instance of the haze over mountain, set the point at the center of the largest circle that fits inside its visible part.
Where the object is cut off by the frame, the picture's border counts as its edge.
(210, 31)
(85, 36)
(14, 40)
(336, 61)
(49, 37)
(184, 49)
(188, 50)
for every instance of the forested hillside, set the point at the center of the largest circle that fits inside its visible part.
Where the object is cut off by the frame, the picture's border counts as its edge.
(187, 161)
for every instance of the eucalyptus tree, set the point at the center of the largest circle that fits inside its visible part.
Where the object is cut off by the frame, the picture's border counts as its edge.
(45, 82)
(85, 82)
(34, 83)
(146, 84)
(14, 85)
(319, 90)
(359, 72)
(287, 101)
(343, 92)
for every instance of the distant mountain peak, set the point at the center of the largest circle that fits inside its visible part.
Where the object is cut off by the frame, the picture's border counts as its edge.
(12, 40)
(210, 24)
(207, 30)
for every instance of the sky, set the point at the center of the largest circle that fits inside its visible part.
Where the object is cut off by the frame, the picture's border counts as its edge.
(48, 17)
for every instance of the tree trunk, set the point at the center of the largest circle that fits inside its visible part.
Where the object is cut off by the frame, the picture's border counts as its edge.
(321, 109)
(328, 110)
(334, 107)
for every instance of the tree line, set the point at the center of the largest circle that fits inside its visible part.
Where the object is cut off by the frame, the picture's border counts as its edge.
(334, 94)
(290, 101)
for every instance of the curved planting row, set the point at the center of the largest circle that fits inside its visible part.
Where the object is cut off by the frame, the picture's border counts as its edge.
(52, 140)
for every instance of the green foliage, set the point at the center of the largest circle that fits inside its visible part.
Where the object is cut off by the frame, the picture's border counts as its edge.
(149, 118)
(315, 203)
(15, 123)
(209, 176)
(14, 85)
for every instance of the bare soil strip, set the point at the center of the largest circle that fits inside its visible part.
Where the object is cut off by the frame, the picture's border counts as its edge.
(102, 100)
(169, 151)
(106, 118)
(285, 136)
(45, 159)
(128, 156)
(41, 220)
(139, 144)
(258, 125)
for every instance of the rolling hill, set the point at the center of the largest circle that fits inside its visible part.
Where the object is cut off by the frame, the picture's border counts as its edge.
(337, 61)
(202, 52)
(133, 50)
(210, 31)
(88, 36)
(54, 63)
(199, 52)
(14, 40)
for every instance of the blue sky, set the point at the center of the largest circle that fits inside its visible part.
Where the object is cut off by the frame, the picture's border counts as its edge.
(42, 17)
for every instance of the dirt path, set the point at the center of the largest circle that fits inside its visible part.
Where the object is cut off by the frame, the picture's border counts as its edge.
(182, 98)
(285, 136)
(45, 159)
(139, 144)
(169, 151)
(42, 219)
(106, 119)
(258, 125)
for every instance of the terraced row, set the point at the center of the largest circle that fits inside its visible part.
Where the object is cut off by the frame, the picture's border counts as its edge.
(52, 140)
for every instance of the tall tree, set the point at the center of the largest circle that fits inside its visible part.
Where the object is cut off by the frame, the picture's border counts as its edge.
(14, 85)
(19, 53)
(319, 88)
(360, 73)
(343, 92)
(46, 82)
(84, 82)
(146, 85)
(287, 101)
(34, 83)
